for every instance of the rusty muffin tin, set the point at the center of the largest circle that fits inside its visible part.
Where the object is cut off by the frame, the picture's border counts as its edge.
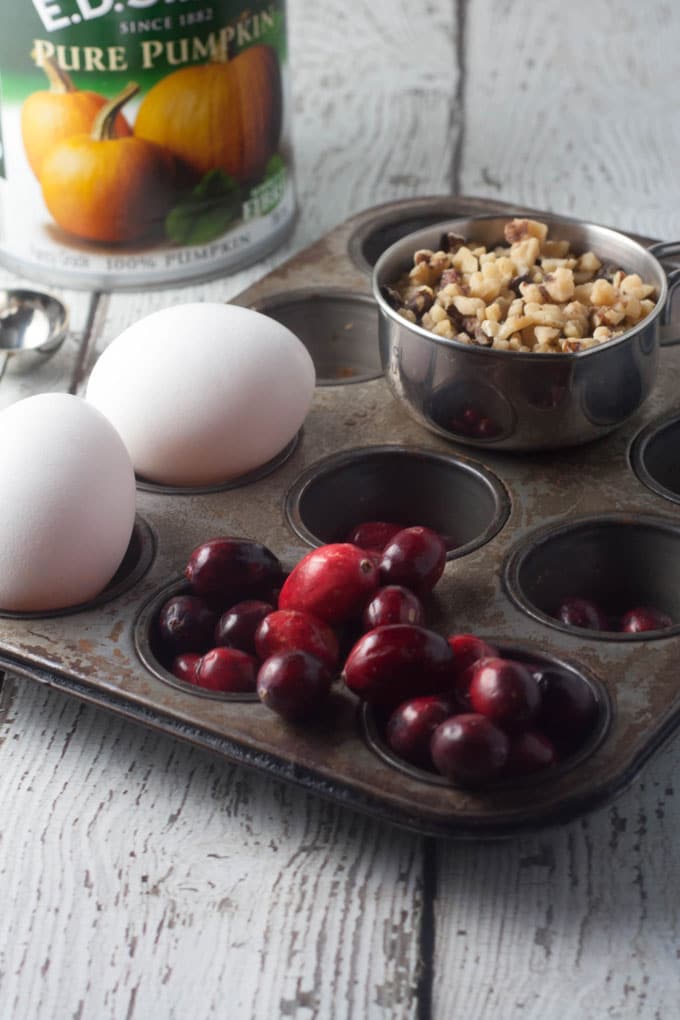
(523, 525)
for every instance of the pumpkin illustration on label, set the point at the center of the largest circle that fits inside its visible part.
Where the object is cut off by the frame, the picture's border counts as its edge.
(105, 188)
(222, 115)
(50, 116)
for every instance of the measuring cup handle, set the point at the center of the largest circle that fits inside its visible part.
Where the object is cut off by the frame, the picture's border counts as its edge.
(668, 334)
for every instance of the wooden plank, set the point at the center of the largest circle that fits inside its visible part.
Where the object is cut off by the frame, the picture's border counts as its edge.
(577, 923)
(574, 109)
(142, 877)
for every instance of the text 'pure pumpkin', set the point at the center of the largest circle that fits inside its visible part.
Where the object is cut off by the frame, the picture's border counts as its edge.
(225, 114)
(108, 189)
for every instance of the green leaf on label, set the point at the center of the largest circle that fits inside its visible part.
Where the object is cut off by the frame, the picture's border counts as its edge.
(274, 167)
(207, 211)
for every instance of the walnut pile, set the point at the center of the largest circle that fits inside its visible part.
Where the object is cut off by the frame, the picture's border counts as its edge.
(533, 295)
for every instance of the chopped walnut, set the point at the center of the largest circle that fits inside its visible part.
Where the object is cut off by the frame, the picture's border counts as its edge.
(535, 294)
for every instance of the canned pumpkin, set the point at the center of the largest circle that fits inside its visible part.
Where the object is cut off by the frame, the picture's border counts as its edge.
(144, 141)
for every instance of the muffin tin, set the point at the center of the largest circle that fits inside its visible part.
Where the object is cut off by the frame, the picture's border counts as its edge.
(522, 525)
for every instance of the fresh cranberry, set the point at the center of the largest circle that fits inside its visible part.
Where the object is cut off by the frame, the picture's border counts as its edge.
(400, 661)
(529, 752)
(294, 684)
(487, 428)
(411, 725)
(578, 612)
(333, 582)
(569, 709)
(414, 558)
(186, 624)
(236, 627)
(644, 618)
(184, 667)
(469, 749)
(467, 650)
(373, 534)
(393, 604)
(288, 629)
(227, 669)
(504, 691)
(228, 569)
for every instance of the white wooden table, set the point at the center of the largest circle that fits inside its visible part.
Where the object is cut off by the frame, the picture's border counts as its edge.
(141, 878)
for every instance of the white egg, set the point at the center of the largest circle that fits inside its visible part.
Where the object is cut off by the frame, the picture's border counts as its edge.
(68, 502)
(203, 393)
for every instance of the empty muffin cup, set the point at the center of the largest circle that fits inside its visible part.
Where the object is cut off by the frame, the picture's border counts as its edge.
(339, 329)
(135, 563)
(458, 498)
(655, 456)
(587, 576)
(376, 235)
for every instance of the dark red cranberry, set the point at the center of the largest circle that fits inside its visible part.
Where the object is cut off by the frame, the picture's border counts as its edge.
(569, 709)
(469, 749)
(471, 419)
(578, 612)
(529, 752)
(294, 684)
(487, 428)
(333, 582)
(186, 624)
(229, 569)
(236, 627)
(397, 662)
(504, 691)
(644, 618)
(467, 650)
(227, 669)
(184, 667)
(415, 558)
(373, 534)
(393, 604)
(411, 725)
(288, 629)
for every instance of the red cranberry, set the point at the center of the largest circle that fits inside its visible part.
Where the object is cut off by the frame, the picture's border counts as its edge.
(504, 691)
(393, 604)
(569, 709)
(184, 667)
(186, 624)
(333, 582)
(644, 618)
(236, 627)
(469, 749)
(529, 752)
(227, 669)
(467, 650)
(288, 629)
(373, 534)
(294, 684)
(400, 661)
(411, 725)
(228, 569)
(487, 428)
(577, 612)
(415, 558)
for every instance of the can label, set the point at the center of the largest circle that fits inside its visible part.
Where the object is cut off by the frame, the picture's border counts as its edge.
(142, 139)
